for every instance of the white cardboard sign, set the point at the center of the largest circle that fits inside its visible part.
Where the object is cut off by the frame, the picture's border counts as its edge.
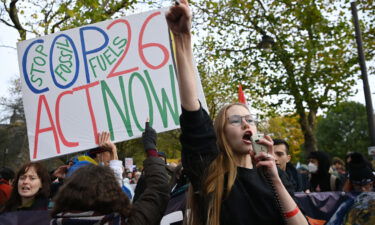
(109, 76)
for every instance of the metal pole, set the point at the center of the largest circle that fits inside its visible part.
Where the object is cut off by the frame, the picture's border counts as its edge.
(362, 63)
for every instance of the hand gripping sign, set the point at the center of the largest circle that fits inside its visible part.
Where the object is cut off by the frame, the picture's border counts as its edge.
(110, 76)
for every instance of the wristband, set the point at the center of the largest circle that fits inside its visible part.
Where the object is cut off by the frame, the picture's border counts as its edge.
(292, 213)
(152, 152)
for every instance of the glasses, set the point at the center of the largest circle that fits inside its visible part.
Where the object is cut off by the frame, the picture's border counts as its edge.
(237, 120)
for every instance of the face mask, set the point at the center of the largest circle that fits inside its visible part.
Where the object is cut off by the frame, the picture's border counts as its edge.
(312, 168)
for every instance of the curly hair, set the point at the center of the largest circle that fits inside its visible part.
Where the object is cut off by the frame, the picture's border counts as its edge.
(15, 199)
(92, 188)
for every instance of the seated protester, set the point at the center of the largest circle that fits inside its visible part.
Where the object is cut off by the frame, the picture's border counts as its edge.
(92, 196)
(6, 178)
(320, 178)
(31, 189)
(360, 208)
(281, 148)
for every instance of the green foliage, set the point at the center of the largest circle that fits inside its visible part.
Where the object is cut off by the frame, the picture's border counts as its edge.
(167, 142)
(311, 66)
(46, 17)
(287, 128)
(344, 129)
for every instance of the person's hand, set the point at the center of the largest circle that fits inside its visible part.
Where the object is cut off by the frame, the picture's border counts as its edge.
(179, 18)
(61, 171)
(106, 143)
(267, 159)
(149, 137)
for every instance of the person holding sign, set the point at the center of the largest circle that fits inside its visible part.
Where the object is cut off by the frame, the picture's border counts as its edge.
(230, 183)
(92, 196)
(104, 154)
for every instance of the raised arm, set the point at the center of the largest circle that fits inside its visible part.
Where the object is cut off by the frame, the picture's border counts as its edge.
(179, 21)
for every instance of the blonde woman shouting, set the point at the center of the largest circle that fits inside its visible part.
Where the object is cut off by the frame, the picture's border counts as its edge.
(230, 184)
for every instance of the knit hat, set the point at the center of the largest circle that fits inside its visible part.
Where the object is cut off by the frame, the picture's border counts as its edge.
(360, 174)
(78, 162)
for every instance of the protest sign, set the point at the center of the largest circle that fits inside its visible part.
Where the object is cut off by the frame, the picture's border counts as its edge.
(109, 76)
(129, 164)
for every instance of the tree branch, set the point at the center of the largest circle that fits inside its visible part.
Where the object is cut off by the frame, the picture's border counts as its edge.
(7, 46)
(14, 17)
(116, 8)
(59, 23)
(6, 23)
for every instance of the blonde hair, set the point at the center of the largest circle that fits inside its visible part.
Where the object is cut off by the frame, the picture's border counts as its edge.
(222, 171)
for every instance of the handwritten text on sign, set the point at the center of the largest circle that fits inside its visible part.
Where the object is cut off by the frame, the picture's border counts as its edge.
(106, 76)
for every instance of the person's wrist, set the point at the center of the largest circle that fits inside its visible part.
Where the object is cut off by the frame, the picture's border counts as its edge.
(276, 180)
(182, 39)
(291, 213)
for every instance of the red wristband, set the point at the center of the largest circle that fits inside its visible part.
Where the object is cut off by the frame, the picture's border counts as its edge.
(292, 213)
(152, 152)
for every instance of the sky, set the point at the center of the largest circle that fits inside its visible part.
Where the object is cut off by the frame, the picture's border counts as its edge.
(9, 66)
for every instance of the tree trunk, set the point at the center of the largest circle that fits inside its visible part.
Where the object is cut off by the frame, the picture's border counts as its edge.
(307, 122)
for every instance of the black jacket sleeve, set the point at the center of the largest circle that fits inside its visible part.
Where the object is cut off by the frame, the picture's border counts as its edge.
(198, 142)
(150, 207)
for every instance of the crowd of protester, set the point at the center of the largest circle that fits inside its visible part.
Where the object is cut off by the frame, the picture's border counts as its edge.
(220, 179)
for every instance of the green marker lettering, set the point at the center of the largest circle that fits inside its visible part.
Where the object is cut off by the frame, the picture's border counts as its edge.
(148, 98)
(106, 91)
(92, 65)
(166, 103)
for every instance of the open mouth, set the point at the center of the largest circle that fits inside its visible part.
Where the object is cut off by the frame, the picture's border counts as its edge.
(25, 189)
(247, 137)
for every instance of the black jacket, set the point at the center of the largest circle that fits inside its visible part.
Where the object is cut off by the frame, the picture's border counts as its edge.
(251, 200)
(294, 177)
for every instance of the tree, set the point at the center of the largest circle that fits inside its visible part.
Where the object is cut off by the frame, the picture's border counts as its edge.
(46, 17)
(287, 128)
(168, 142)
(13, 105)
(310, 66)
(343, 130)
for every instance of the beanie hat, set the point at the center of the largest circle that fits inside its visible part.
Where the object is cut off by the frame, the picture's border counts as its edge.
(79, 162)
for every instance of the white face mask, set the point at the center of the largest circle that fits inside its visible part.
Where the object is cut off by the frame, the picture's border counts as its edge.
(312, 168)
